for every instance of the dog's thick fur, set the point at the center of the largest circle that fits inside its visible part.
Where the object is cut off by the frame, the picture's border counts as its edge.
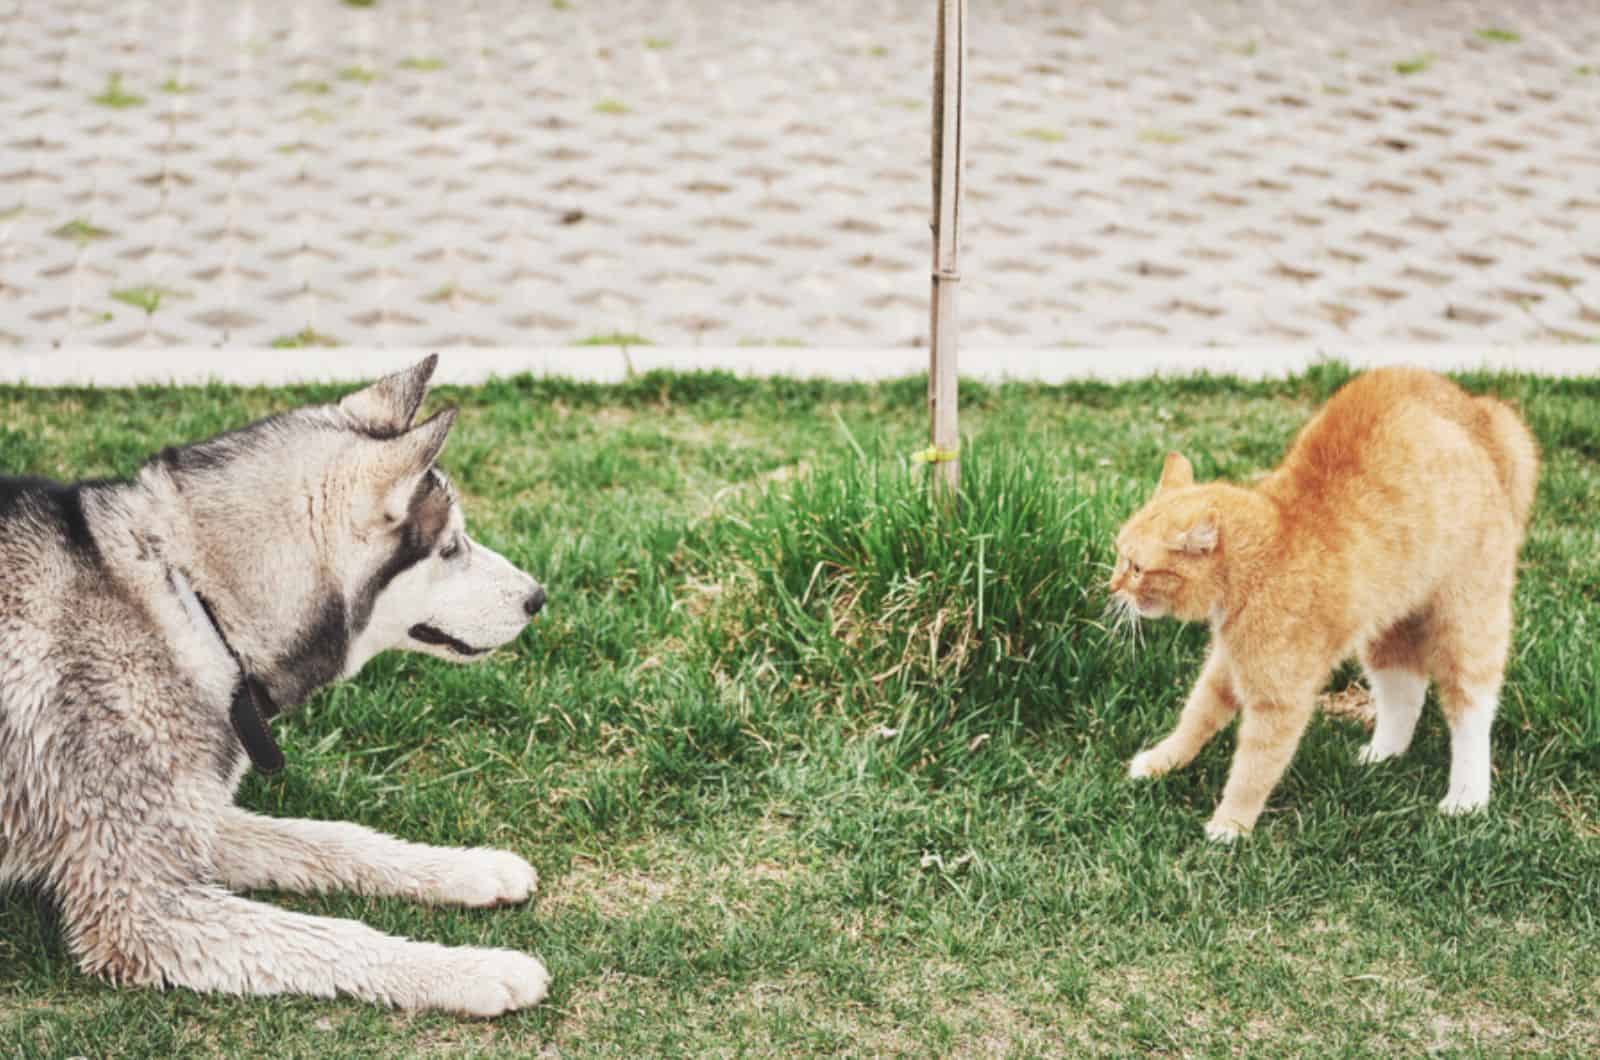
(1391, 529)
(317, 539)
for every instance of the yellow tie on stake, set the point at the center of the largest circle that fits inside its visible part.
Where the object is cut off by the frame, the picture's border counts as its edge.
(934, 455)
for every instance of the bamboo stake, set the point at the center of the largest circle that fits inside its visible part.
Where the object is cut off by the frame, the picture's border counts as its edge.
(949, 56)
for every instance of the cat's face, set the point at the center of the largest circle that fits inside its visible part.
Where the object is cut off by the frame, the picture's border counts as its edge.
(1167, 562)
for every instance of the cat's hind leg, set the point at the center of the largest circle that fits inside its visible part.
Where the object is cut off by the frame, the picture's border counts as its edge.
(1467, 645)
(1397, 675)
(1471, 715)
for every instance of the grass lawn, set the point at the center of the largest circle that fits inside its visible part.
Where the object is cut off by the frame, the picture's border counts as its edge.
(806, 773)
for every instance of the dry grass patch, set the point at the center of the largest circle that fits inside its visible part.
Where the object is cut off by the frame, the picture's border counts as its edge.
(1580, 814)
(621, 884)
(430, 1036)
(1353, 703)
(1400, 997)
(1024, 1015)
(802, 1015)
(603, 888)
(603, 999)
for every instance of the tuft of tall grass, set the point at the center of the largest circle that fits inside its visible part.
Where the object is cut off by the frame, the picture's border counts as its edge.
(856, 579)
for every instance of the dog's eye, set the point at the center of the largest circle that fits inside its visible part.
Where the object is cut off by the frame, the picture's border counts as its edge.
(452, 550)
(1135, 568)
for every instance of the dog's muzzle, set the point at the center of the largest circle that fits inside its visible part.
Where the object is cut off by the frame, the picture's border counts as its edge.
(439, 638)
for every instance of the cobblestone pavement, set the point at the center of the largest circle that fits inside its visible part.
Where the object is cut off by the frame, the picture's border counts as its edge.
(398, 173)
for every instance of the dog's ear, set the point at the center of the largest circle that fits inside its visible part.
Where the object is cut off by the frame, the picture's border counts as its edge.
(409, 457)
(421, 445)
(1176, 473)
(388, 406)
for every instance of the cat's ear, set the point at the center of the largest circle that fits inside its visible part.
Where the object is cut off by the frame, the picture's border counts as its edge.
(1176, 473)
(1201, 537)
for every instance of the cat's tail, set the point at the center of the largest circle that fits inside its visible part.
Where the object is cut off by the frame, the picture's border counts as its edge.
(1515, 453)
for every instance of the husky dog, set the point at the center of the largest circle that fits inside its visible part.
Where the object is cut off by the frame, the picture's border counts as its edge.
(148, 630)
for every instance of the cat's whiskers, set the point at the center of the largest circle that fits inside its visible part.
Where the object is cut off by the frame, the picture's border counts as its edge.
(1124, 617)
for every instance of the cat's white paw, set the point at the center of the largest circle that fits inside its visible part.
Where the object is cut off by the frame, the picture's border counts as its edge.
(1471, 774)
(1464, 801)
(480, 877)
(1147, 765)
(1223, 832)
(1372, 753)
(487, 983)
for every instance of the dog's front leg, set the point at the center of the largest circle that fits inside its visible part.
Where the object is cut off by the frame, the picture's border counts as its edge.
(253, 851)
(200, 937)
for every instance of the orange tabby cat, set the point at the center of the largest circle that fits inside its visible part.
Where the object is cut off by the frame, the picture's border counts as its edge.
(1391, 529)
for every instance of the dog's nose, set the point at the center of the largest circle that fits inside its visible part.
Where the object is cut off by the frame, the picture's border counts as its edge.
(534, 602)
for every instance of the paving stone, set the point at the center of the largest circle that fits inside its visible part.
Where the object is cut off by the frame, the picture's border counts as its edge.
(513, 173)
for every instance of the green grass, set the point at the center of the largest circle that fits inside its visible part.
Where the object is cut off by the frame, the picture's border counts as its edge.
(614, 338)
(146, 297)
(1499, 36)
(80, 231)
(306, 336)
(1414, 65)
(114, 96)
(1160, 136)
(808, 772)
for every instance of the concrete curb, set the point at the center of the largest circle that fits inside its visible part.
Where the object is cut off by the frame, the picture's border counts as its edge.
(609, 364)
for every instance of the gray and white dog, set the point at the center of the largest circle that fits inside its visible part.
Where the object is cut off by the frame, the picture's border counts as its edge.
(148, 630)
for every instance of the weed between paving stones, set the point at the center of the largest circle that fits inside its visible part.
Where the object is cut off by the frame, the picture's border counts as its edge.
(689, 745)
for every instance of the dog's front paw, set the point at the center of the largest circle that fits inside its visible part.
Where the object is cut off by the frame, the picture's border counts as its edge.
(481, 877)
(486, 983)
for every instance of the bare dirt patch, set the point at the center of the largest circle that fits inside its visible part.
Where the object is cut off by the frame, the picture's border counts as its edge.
(1354, 703)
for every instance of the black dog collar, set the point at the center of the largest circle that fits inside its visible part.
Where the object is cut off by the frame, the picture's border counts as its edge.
(252, 705)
